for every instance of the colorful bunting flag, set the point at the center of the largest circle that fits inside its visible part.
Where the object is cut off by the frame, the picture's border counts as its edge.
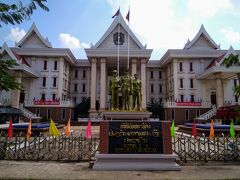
(29, 130)
(173, 129)
(89, 130)
(194, 130)
(53, 129)
(10, 129)
(232, 131)
(68, 129)
(117, 13)
(211, 134)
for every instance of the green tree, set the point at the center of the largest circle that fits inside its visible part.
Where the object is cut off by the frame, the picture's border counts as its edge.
(230, 61)
(7, 81)
(156, 108)
(83, 108)
(16, 13)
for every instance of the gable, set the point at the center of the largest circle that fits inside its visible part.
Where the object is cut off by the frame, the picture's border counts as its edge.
(108, 42)
(202, 43)
(33, 41)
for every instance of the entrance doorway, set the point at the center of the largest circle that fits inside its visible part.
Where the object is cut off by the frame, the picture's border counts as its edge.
(213, 98)
(22, 97)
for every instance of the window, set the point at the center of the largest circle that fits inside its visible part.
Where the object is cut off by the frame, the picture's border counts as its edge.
(160, 88)
(191, 67)
(53, 97)
(37, 111)
(181, 83)
(180, 67)
(74, 99)
(44, 81)
(187, 114)
(83, 88)
(172, 114)
(160, 100)
(55, 65)
(76, 74)
(235, 82)
(75, 87)
(160, 74)
(236, 98)
(84, 73)
(192, 98)
(151, 74)
(191, 83)
(198, 113)
(152, 88)
(182, 98)
(45, 65)
(54, 81)
(152, 100)
(43, 97)
(63, 113)
(48, 113)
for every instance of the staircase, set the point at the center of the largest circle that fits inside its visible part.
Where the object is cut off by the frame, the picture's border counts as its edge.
(28, 114)
(207, 115)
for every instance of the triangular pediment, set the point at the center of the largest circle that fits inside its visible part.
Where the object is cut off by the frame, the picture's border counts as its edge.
(118, 25)
(201, 41)
(33, 39)
(228, 53)
(7, 54)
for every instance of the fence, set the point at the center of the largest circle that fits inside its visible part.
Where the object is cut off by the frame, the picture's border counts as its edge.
(42, 147)
(221, 148)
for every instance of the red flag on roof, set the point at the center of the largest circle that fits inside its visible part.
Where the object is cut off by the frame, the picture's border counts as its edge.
(194, 130)
(10, 129)
(117, 13)
(128, 15)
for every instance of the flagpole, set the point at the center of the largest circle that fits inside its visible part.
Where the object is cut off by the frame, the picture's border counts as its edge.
(118, 43)
(128, 39)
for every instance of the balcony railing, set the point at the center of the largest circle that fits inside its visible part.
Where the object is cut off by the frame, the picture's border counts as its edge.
(47, 103)
(204, 104)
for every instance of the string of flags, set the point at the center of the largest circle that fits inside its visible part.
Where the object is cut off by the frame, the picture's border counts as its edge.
(53, 131)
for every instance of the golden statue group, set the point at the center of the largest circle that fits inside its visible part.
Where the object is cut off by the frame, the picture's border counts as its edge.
(130, 89)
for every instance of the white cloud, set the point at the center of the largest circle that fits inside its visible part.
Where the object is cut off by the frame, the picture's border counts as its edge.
(71, 42)
(230, 35)
(156, 23)
(16, 34)
(208, 8)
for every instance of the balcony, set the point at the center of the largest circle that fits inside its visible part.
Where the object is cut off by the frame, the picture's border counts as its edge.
(49, 103)
(178, 104)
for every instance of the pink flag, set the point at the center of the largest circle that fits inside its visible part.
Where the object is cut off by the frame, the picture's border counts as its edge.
(10, 129)
(194, 130)
(89, 130)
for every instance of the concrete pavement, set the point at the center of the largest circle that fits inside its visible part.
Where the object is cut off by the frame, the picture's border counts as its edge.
(74, 170)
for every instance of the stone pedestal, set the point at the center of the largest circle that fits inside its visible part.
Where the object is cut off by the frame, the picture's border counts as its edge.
(126, 115)
(135, 145)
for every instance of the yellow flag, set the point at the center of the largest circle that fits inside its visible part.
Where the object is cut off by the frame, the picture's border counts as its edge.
(211, 134)
(29, 130)
(53, 129)
(68, 129)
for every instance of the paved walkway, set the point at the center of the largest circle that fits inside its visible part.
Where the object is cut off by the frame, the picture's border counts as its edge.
(59, 170)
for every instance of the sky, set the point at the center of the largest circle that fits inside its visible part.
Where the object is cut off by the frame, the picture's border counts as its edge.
(160, 24)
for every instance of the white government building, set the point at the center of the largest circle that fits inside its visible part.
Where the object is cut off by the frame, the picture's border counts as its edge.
(187, 81)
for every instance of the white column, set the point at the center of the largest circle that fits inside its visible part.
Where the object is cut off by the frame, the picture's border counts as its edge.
(219, 90)
(93, 84)
(103, 85)
(175, 79)
(143, 80)
(60, 78)
(134, 66)
(15, 95)
(203, 91)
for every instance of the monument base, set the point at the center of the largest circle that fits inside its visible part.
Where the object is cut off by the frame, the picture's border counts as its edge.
(136, 162)
(126, 115)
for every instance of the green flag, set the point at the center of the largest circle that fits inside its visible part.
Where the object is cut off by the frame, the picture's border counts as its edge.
(173, 129)
(232, 131)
